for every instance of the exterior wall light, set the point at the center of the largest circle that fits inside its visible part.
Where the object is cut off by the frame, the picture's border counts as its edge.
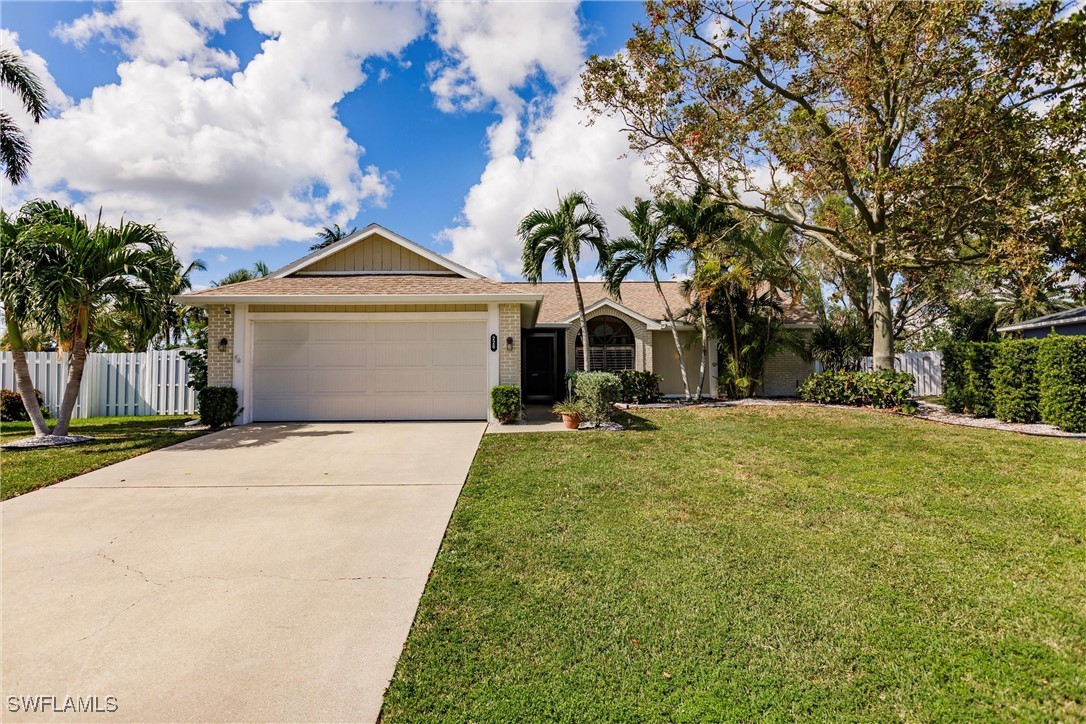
(509, 343)
(224, 342)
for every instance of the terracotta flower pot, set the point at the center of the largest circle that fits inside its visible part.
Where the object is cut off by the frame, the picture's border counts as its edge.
(571, 421)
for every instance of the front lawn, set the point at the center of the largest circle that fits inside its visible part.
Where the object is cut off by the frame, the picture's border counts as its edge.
(750, 563)
(118, 438)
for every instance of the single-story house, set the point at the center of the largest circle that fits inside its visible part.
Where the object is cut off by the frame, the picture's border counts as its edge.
(1069, 321)
(376, 327)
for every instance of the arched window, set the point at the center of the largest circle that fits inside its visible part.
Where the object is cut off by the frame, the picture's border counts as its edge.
(611, 344)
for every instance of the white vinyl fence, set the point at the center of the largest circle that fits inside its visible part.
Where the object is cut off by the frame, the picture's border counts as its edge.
(114, 384)
(926, 367)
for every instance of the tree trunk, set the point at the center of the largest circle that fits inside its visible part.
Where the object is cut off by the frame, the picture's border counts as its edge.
(704, 348)
(882, 327)
(674, 334)
(584, 320)
(736, 366)
(77, 362)
(23, 384)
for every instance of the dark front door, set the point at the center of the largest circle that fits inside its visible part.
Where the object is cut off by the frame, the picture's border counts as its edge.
(540, 367)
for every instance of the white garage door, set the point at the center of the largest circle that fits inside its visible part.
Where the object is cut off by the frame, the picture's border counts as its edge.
(380, 370)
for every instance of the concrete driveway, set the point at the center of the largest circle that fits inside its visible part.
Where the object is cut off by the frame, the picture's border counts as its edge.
(263, 573)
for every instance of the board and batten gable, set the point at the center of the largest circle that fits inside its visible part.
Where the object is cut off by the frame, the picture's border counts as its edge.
(375, 253)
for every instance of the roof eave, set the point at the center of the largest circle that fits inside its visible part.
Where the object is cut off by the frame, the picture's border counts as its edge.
(203, 300)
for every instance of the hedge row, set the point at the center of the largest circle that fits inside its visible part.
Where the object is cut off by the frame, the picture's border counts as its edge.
(884, 389)
(1019, 380)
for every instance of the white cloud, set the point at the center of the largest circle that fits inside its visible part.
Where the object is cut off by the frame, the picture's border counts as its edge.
(563, 153)
(160, 32)
(237, 162)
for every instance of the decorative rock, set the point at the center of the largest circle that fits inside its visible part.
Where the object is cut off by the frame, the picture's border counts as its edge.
(27, 443)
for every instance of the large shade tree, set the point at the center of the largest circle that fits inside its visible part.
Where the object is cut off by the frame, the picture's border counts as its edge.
(561, 234)
(948, 128)
(649, 249)
(17, 78)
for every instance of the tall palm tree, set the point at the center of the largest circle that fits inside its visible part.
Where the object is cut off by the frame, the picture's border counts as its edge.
(649, 249)
(330, 235)
(97, 270)
(697, 224)
(1020, 299)
(23, 83)
(561, 234)
(256, 271)
(177, 317)
(20, 262)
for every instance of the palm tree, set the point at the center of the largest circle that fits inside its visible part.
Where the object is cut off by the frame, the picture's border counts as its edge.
(256, 271)
(649, 249)
(97, 270)
(22, 82)
(696, 225)
(178, 317)
(561, 233)
(330, 235)
(1024, 298)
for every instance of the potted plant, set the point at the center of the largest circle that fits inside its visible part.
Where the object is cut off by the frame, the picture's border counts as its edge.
(571, 413)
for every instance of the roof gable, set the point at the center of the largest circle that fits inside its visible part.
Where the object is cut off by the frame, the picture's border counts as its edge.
(612, 304)
(374, 250)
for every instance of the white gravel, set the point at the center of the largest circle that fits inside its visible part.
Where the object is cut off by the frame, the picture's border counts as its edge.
(938, 413)
(45, 441)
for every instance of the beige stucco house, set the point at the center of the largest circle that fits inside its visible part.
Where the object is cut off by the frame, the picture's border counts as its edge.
(376, 327)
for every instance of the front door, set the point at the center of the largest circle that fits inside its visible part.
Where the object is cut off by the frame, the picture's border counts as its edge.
(540, 367)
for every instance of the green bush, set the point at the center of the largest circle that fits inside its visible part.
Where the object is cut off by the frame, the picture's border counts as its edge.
(218, 406)
(883, 389)
(1015, 387)
(640, 386)
(967, 377)
(598, 392)
(1061, 370)
(12, 408)
(505, 402)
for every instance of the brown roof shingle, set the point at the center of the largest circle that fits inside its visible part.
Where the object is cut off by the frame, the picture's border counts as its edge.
(374, 284)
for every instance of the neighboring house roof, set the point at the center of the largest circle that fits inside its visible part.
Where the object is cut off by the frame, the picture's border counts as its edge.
(559, 304)
(1056, 319)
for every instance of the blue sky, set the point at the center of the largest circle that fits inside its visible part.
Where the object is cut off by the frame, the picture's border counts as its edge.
(239, 129)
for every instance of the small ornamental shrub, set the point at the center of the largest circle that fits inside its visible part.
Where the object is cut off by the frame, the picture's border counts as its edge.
(967, 377)
(12, 408)
(1015, 387)
(1061, 370)
(218, 406)
(882, 389)
(597, 392)
(640, 386)
(505, 402)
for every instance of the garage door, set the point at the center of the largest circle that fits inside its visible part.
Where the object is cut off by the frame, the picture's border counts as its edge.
(354, 370)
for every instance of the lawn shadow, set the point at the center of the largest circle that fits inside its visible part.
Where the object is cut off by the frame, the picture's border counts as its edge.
(635, 422)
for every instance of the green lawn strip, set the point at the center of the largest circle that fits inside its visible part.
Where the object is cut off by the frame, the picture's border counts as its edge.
(757, 562)
(116, 439)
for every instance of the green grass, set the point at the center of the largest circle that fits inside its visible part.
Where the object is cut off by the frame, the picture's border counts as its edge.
(758, 563)
(117, 438)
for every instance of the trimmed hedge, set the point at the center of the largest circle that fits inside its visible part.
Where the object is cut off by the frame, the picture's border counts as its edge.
(12, 408)
(640, 386)
(598, 392)
(218, 406)
(881, 389)
(1015, 387)
(505, 402)
(967, 377)
(1061, 363)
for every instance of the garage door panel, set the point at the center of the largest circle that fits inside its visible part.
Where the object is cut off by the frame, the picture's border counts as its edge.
(277, 383)
(282, 332)
(458, 354)
(370, 370)
(339, 354)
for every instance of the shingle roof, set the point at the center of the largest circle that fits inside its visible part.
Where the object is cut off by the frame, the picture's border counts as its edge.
(1056, 319)
(560, 300)
(372, 284)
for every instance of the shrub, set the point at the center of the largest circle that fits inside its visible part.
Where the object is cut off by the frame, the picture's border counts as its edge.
(218, 406)
(639, 386)
(967, 377)
(598, 392)
(1061, 370)
(1015, 387)
(505, 402)
(882, 389)
(12, 408)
